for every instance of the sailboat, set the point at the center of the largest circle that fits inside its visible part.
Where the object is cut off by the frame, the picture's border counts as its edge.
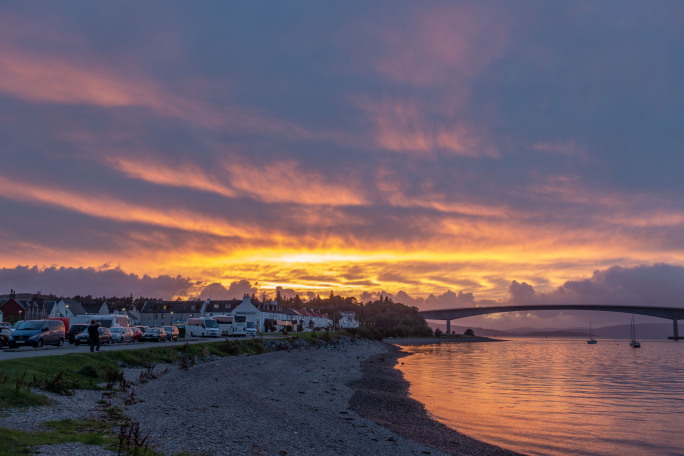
(591, 340)
(634, 343)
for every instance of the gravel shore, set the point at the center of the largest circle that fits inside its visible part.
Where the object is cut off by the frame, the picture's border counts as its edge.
(289, 402)
(342, 399)
(382, 395)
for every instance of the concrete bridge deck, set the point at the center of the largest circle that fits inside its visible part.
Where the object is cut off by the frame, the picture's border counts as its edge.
(670, 313)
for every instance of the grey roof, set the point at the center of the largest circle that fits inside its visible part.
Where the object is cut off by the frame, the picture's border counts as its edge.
(171, 306)
(223, 305)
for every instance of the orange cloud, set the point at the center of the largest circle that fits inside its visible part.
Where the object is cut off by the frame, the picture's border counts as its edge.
(406, 126)
(185, 175)
(115, 209)
(288, 181)
(275, 182)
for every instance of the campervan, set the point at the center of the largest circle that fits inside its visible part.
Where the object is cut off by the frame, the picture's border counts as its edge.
(106, 321)
(202, 327)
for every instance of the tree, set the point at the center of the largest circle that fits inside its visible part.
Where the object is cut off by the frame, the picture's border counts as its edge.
(469, 332)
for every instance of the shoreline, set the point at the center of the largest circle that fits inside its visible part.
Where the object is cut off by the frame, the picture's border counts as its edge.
(339, 399)
(399, 341)
(382, 395)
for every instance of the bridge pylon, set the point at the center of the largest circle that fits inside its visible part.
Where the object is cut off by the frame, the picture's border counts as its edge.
(675, 327)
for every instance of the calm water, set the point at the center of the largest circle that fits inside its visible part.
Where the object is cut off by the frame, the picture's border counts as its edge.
(556, 397)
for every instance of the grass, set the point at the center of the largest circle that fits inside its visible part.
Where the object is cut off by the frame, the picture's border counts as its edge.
(15, 443)
(19, 378)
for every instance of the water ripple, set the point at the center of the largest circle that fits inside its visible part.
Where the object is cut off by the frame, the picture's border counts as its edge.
(556, 397)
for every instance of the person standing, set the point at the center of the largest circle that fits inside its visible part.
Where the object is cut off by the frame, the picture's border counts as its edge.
(94, 335)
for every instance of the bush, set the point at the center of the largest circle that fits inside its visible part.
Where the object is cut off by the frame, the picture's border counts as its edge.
(422, 331)
(88, 371)
(438, 332)
(231, 347)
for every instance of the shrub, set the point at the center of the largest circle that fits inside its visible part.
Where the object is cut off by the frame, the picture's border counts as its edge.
(422, 331)
(438, 332)
(231, 347)
(88, 371)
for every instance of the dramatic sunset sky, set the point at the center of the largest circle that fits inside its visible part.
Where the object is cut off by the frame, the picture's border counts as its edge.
(472, 151)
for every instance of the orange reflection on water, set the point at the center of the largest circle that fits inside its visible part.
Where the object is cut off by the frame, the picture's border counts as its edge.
(546, 397)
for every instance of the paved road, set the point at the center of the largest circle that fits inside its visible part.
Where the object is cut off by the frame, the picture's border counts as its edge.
(30, 352)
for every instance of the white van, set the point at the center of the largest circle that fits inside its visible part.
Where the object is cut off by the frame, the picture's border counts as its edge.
(106, 321)
(202, 327)
(251, 329)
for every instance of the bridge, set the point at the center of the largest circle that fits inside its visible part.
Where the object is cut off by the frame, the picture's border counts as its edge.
(670, 313)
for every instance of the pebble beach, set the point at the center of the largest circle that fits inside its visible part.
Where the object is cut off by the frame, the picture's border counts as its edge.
(344, 399)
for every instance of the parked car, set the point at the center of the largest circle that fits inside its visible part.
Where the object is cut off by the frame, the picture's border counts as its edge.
(16, 325)
(142, 328)
(137, 333)
(75, 330)
(155, 334)
(171, 333)
(120, 335)
(5, 324)
(105, 336)
(38, 333)
(5, 334)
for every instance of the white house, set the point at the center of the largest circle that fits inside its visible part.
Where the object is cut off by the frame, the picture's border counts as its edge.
(348, 320)
(250, 311)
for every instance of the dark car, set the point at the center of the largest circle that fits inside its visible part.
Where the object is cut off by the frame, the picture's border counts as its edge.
(16, 325)
(5, 334)
(38, 333)
(171, 332)
(105, 336)
(155, 334)
(75, 330)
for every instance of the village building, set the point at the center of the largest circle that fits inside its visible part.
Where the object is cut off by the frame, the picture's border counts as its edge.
(250, 312)
(164, 313)
(348, 320)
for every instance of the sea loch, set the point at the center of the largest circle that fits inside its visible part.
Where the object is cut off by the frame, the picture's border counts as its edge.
(556, 397)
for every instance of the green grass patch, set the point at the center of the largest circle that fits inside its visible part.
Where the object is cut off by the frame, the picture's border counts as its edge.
(17, 443)
(10, 398)
(65, 373)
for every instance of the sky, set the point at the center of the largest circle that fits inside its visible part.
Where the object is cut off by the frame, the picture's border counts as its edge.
(444, 153)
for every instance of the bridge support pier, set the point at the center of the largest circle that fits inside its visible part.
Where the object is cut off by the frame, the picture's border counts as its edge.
(676, 328)
(448, 329)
